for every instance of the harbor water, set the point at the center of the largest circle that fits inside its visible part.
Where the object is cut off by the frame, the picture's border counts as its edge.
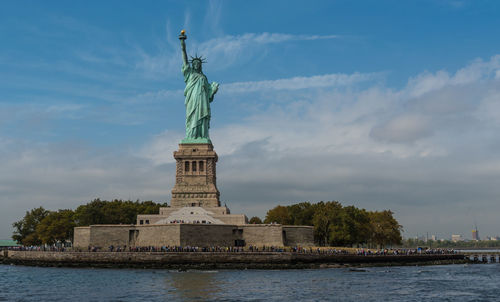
(477, 282)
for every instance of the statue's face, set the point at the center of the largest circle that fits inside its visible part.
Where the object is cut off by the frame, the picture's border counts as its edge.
(196, 65)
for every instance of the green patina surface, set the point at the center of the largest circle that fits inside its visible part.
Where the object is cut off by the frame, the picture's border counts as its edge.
(200, 140)
(8, 243)
(199, 93)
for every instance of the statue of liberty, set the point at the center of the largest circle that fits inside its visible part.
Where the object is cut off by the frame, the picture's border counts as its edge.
(199, 94)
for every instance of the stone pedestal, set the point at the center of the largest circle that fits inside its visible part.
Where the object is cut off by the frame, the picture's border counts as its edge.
(195, 181)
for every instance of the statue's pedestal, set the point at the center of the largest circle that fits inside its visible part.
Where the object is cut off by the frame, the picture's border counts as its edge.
(195, 181)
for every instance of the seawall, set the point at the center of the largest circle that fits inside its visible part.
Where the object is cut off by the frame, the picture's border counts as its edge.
(218, 260)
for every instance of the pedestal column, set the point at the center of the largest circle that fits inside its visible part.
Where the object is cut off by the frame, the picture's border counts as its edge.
(195, 181)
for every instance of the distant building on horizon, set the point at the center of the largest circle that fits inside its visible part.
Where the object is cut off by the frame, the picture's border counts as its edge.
(475, 234)
(456, 238)
(420, 238)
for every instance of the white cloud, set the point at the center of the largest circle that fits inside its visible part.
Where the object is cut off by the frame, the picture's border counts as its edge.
(427, 82)
(410, 122)
(161, 148)
(64, 175)
(433, 143)
(375, 147)
(489, 109)
(403, 128)
(474, 72)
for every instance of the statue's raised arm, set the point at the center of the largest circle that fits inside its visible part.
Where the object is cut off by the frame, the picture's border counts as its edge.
(183, 38)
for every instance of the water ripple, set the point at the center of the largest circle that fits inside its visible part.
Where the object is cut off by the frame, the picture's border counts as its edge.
(430, 283)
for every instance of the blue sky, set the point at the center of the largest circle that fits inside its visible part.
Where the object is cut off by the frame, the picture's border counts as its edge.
(380, 104)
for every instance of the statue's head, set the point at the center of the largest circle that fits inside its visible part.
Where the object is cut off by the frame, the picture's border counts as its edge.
(196, 63)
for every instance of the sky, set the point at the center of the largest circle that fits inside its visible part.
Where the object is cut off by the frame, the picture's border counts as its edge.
(378, 104)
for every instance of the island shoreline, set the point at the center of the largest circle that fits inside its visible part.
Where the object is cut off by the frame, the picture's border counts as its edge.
(220, 260)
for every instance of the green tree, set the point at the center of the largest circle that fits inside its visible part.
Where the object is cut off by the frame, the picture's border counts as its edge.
(353, 228)
(90, 213)
(325, 219)
(57, 226)
(278, 214)
(301, 213)
(255, 220)
(41, 226)
(385, 229)
(340, 226)
(149, 207)
(113, 212)
(25, 229)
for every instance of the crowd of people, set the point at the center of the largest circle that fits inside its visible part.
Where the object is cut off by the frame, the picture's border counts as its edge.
(194, 221)
(42, 248)
(417, 251)
(248, 249)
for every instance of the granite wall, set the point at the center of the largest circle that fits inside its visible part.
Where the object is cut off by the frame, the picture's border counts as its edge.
(107, 235)
(208, 235)
(158, 235)
(298, 235)
(81, 237)
(262, 234)
(201, 235)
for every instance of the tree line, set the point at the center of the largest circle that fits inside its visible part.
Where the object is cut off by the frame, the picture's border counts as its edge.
(40, 226)
(337, 225)
(334, 224)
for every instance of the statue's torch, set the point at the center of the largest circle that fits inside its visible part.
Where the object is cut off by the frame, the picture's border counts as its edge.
(183, 36)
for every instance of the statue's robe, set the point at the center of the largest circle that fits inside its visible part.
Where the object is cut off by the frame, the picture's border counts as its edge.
(199, 94)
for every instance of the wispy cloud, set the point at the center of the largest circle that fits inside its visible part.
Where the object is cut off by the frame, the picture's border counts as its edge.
(63, 108)
(295, 83)
(239, 41)
(161, 95)
(222, 51)
(212, 17)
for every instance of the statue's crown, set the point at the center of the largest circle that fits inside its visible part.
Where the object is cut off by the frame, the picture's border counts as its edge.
(198, 58)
